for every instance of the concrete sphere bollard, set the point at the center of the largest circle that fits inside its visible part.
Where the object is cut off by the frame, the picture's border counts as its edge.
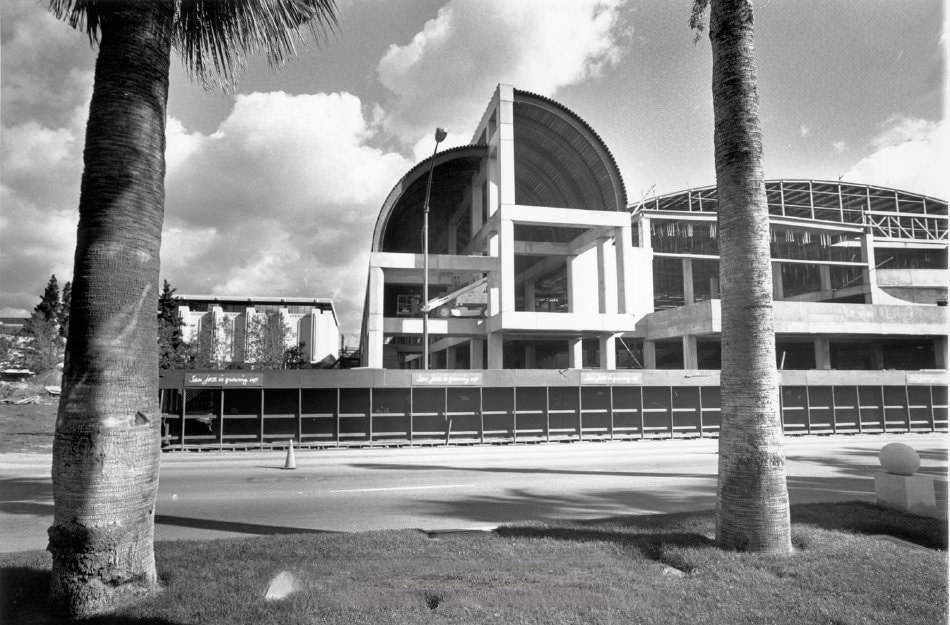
(899, 459)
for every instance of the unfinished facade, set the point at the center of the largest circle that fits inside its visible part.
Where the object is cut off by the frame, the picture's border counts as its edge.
(538, 262)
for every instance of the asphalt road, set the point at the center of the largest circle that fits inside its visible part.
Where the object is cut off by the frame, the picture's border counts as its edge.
(218, 494)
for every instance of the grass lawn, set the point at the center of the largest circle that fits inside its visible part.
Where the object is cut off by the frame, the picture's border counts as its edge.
(848, 569)
(28, 428)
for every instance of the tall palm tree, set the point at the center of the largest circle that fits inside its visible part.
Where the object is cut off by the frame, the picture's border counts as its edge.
(752, 496)
(107, 444)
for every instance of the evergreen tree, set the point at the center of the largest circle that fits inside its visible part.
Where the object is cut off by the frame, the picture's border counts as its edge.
(64, 309)
(45, 348)
(294, 357)
(49, 305)
(172, 351)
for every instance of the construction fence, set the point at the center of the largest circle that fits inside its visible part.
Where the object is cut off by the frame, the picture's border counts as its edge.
(363, 407)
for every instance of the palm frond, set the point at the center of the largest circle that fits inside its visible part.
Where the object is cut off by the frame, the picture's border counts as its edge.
(82, 15)
(697, 18)
(215, 37)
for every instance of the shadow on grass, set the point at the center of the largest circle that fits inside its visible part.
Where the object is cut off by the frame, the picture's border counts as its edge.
(24, 593)
(234, 526)
(660, 547)
(865, 518)
(651, 535)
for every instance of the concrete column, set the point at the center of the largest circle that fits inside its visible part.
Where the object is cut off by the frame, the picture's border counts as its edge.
(940, 352)
(476, 356)
(450, 357)
(867, 255)
(608, 351)
(644, 238)
(496, 355)
(824, 276)
(576, 351)
(529, 295)
(690, 352)
(530, 356)
(494, 278)
(688, 295)
(877, 356)
(623, 248)
(506, 255)
(572, 286)
(601, 277)
(649, 354)
(822, 353)
(373, 347)
(452, 236)
(476, 206)
(778, 285)
(506, 144)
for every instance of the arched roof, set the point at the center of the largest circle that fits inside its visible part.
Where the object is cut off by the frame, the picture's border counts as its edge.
(399, 224)
(560, 161)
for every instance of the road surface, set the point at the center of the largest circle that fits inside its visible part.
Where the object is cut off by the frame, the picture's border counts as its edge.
(220, 494)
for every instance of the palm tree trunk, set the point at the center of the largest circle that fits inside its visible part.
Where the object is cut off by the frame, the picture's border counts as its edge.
(752, 502)
(107, 444)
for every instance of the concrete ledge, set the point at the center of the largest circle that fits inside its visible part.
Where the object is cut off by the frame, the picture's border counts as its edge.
(916, 494)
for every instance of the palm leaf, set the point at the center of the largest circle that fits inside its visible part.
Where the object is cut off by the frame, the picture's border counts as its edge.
(216, 37)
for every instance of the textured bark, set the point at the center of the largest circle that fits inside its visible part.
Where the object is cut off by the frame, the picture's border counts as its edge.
(107, 443)
(752, 502)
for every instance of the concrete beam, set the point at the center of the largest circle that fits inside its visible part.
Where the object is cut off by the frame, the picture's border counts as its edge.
(805, 318)
(437, 262)
(571, 217)
(561, 322)
(451, 325)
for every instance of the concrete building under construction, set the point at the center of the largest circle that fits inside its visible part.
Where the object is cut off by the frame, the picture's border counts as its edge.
(559, 310)
(538, 261)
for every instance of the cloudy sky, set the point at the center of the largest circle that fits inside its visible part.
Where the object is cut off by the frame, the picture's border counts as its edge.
(274, 190)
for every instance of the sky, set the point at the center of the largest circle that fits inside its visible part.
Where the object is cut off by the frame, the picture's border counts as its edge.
(274, 189)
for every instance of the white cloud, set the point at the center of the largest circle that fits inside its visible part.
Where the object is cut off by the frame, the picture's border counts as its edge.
(804, 130)
(446, 73)
(47, 66)
(839, 146)
(35, 241)
(910, 154)
(280, 200)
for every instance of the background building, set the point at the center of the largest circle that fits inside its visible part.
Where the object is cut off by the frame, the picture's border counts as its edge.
(538, 262)
(239, 329)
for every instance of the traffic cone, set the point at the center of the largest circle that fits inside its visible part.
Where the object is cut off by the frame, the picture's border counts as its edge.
(291, 461)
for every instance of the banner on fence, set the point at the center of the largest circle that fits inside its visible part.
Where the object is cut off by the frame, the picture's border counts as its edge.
(229, 379)
(611, 378)
(461, 378)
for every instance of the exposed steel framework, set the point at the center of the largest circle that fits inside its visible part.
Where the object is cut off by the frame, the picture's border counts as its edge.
(886, 213)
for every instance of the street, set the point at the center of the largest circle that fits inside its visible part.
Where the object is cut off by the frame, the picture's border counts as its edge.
(220, 494)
